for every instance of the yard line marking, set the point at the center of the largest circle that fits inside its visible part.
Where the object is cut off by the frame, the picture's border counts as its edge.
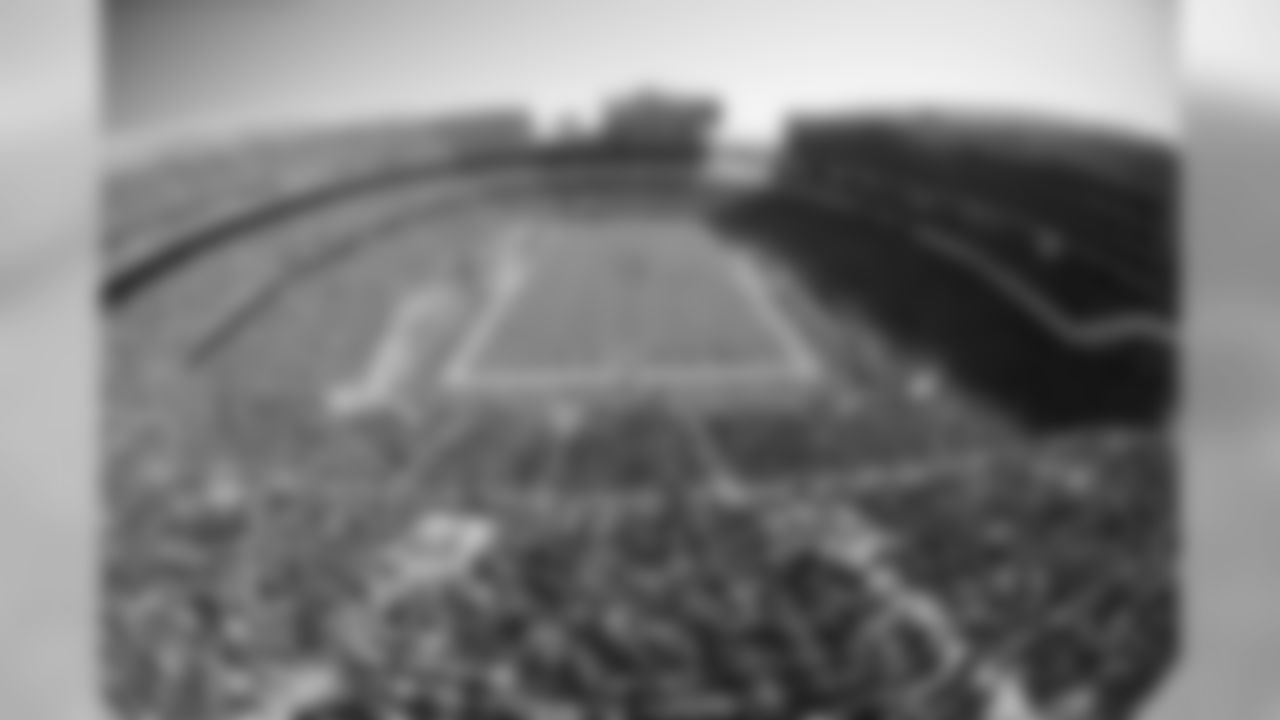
(800, 357)
(511, 275)
(393, 359)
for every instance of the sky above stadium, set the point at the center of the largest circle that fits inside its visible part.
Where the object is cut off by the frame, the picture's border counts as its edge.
(177, 66)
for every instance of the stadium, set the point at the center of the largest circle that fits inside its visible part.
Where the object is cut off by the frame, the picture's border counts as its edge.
(457, 419)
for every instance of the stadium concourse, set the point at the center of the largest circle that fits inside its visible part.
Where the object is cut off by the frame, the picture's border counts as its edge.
(497, 427)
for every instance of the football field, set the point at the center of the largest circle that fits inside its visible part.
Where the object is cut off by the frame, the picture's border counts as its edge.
(649, 303)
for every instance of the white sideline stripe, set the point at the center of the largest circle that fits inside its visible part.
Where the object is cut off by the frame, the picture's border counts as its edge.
(800, 357)
(1098, 333)
(392, 361)
(511, 276)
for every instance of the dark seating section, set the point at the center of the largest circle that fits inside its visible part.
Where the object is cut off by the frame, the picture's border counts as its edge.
(1129, 222)
(847, 213)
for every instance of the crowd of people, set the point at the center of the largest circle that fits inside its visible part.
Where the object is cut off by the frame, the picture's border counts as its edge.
(879, 559)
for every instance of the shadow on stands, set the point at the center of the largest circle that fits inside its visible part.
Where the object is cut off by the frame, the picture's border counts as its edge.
(865, 262)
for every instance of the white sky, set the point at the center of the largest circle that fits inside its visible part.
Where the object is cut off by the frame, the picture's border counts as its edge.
(1233, 43)
(209, 65)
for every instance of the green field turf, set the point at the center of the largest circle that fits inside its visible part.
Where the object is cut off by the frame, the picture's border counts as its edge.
(483, 304)
(643, 301)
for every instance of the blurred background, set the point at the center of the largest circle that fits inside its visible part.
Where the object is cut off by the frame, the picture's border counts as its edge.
(48, 86)
(174, 67)
(1232, 422)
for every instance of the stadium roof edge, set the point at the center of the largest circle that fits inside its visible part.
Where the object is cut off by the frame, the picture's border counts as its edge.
(1013, 117)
